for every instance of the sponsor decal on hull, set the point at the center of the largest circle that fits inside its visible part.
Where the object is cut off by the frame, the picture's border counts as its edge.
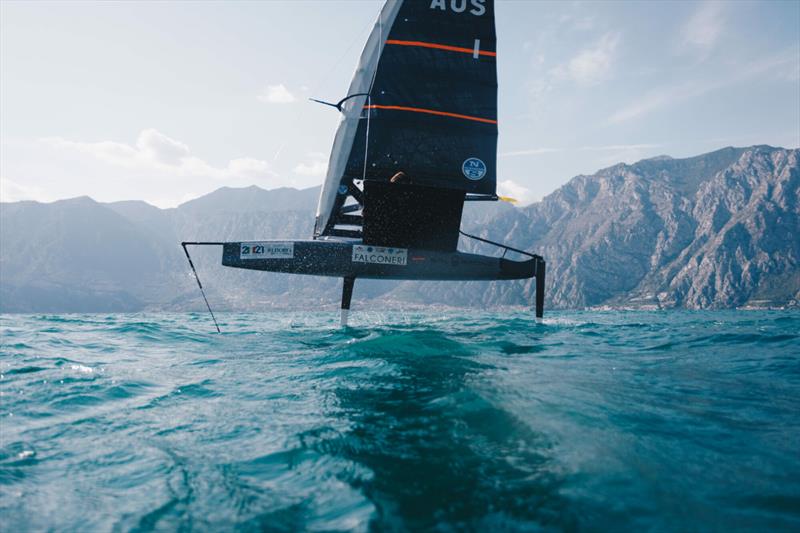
(379, 255)
(266, 250)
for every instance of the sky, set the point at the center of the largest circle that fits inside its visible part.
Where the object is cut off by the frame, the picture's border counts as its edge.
(164, 102)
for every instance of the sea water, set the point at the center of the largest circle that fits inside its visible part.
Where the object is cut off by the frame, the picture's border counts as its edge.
(438, 420)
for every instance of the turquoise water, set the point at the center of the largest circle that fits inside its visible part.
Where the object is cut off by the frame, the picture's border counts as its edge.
(424, 421)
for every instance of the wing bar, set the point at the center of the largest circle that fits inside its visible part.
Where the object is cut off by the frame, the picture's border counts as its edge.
(194, 271)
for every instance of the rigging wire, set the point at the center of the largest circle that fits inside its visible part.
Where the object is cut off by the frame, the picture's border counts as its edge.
(366, 137)
(505, 248)
(194, 271)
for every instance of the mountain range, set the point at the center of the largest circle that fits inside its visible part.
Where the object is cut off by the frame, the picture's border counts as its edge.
(720, 230)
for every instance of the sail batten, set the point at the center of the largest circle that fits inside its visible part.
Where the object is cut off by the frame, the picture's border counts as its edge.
(430, 112)
(430, 70)
(436, 46)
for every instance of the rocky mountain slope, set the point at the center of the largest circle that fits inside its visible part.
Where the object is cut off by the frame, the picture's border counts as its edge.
(713, 231)
(718, 230)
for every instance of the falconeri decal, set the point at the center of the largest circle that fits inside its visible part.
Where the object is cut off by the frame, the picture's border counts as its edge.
(266, 250)
(379, 255)
(473, 168)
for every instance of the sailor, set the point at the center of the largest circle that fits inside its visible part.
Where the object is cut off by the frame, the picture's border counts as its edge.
(400, 177)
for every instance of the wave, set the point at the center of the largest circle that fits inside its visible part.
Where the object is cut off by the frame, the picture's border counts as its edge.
(415, 421)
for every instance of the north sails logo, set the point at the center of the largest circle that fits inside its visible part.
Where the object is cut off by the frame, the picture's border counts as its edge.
(477, 7)
(473, 169)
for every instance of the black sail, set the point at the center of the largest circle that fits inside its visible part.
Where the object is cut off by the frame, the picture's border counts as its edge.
(430, 110)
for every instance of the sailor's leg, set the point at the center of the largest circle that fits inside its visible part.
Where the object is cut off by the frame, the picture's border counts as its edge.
(347, 294)
(540, 272)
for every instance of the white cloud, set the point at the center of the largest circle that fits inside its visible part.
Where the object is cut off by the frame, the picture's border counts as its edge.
(591, 65)
(277, 94)
(655, 99)
(516, 191)
(108, 151)
(703, 29)
(155, 151)
(530, 151)
(11, 191)
(160, 148)
(575, 20)
(778, 65)
(618, 147)
(603, 148)
(247, 166)
(315, 166)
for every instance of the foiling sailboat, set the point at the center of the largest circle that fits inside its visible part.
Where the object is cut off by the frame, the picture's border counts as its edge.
(417, 139)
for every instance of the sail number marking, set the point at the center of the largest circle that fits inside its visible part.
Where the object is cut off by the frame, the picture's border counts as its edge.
(477, 7)
(379, 255)
(266, 250)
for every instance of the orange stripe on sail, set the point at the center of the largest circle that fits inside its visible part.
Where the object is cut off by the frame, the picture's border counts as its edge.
(423, 44)
(431, 112)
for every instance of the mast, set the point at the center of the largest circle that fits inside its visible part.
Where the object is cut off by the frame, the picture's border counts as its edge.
(351, 109)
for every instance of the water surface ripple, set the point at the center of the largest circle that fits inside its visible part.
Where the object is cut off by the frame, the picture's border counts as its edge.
(441, 420)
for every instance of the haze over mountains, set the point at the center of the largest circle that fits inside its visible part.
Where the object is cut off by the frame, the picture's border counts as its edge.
(714, 231)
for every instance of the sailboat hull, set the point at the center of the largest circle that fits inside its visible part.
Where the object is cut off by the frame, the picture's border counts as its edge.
(355, 260)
